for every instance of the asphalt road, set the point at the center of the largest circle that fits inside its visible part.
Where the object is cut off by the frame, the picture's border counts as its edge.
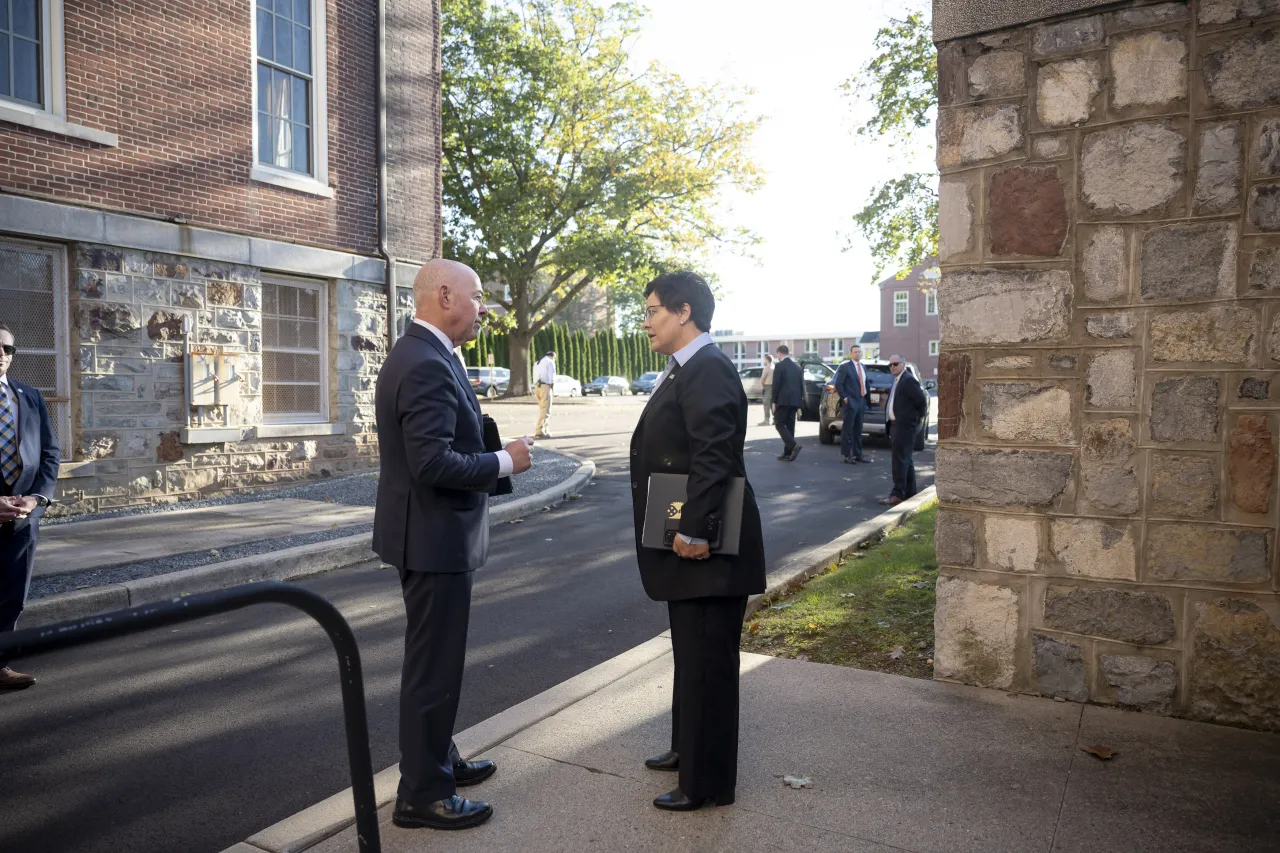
(193, 738)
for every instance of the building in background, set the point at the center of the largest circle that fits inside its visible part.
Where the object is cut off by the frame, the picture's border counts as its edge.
(201, 190)
(870, 343)
(750, 350)
(909, 318)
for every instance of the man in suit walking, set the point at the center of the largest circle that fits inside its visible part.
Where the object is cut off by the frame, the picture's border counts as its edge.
(788, 397)
(907, 406)
(28, 471)
(851, 384)
(432, 523)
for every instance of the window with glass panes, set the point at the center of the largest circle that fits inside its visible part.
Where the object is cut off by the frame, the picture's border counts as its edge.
(286, 81)
(837, 347)
(33, 304)
(811, 346)
(293, 352)
(933, 348)
(901, 299)
(22, 51)
(931, 302)
(739, 352)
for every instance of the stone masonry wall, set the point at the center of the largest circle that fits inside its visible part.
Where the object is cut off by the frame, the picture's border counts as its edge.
(128, 405)
(1110, 311)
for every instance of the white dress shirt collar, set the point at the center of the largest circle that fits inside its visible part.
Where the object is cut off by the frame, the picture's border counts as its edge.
(686, 352)
(444, 339)
(4, 380)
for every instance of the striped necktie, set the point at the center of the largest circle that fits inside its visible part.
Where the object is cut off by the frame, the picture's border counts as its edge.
(10, 461)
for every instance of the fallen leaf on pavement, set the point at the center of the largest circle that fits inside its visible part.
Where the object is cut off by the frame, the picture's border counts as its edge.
(896, 653)
(754, 628)
(1103, 752)
(813, 626)
(802, 657)
(848, 595)
(928, 660)
(919, 584)
(797, 782)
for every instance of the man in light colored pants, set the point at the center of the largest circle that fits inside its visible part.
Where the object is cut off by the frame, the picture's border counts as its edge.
(766, 386)
(544, 383)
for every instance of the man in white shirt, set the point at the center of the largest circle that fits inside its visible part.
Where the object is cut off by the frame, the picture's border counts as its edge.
(544, 383)
(766, 389)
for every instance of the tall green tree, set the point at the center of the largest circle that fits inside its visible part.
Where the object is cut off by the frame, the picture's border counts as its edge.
(566, 165)
(900, 82)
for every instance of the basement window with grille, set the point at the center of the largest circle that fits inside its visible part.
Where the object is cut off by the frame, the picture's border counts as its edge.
(294, 353)
(33, 304)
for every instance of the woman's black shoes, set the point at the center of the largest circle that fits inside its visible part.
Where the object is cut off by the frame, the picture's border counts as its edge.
(666, 761)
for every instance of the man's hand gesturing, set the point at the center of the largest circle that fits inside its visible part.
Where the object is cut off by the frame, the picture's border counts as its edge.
(519, 450)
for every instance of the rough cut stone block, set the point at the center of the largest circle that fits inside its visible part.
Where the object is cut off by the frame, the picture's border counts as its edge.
(1002, 477)
(1059, 669)
(1105, 266)
(1252, 463)
(165, 326)
(1254, 388)
(1183, 485)
(1111, 380)
(953, 379)
(1228, 11)
(1140, 682)
(1130, 617)
(225, 293)
(1091, 548)
(1264, 269)
(955, 218)
(1027, 211)
(953, 539)
(1220, 168)
(1148, 69)
(1240, 73)
(1189, 261)
(999, 74)
(976, 630)
(1012, 542)
(1266, 149)
(107, 319)
(1068, 35)
(1133, 168)
(1008, 362)
(1218, 334)
(1063, 362)
(953, 84)
(1111, 326)
(1264, 206)
(1065, 91)
(1185, 409)
(1004, 307)
(1273, 339)
(1050, 146)
(1234, 664)
(1147, 16)
(1023, 412)
(1107, 465)
(972, 134)
(1184, 551)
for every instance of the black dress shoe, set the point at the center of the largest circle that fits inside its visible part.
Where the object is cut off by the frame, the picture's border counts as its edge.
(786, 457)
(450, 813)
(472, 772)
(862, 459)
(795, 451)
(678, 801)
(667, 761)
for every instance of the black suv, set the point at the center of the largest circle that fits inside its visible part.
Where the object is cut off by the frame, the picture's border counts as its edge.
(879, 383)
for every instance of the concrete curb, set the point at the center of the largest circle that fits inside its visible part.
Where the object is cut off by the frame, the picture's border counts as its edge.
(329, 817)
(301, 561)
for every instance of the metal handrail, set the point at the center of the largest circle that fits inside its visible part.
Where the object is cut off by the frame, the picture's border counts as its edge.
(133, 620)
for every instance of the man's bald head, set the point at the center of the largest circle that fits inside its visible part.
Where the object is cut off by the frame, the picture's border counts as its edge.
(448, 295)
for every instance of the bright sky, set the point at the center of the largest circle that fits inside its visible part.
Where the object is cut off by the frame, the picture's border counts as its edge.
(818, 173)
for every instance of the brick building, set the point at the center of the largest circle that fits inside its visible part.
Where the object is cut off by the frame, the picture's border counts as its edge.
(750, 350)
(909, 318)
(197, 184)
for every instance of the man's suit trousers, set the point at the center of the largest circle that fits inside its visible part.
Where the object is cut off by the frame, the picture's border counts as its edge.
(902, 439)
(438, 607)
(851, 430)
(784, 421)
(705, 635)
(17, 560)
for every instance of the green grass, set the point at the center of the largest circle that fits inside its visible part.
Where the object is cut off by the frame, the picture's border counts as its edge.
(862, 611)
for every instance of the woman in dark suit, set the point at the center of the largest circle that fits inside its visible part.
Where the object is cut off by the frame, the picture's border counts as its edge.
(695, 423)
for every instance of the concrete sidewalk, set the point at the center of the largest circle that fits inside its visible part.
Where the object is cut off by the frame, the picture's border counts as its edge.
(896, 764)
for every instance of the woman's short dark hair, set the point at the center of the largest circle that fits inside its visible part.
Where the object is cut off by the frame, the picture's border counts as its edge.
(684, 287)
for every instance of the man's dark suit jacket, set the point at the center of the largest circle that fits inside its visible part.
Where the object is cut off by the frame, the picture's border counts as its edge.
(696, 423)
(432, 512)
(910, 402)
(846, 382)
(788, 384)
(37, 445)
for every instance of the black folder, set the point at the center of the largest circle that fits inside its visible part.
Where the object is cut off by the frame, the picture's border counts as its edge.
(662, 513)
(492, 444)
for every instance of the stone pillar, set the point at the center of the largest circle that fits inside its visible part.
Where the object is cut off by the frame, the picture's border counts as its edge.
(1110, 314)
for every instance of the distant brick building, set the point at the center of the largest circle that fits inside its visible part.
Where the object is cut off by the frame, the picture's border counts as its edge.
(205, 174)
(750, 350)
(909, 319)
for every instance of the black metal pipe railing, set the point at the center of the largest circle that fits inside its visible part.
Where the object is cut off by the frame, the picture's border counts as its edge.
(119, 623)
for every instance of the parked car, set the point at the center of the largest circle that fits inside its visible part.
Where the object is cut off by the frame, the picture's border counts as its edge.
(879, 384)
(644, 383)
(816, 376)
(479, 377)
(751, 383)
(605, 385)
(566, 386)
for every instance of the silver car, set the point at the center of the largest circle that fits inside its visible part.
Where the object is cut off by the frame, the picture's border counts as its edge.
(751, 383)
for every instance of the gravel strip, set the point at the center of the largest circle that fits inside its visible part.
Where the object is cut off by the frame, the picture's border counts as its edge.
(549, 468)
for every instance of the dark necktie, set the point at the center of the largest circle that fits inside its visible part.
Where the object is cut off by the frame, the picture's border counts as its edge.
(10, 461)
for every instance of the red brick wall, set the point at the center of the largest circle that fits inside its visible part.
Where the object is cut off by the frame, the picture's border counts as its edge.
(172, 79)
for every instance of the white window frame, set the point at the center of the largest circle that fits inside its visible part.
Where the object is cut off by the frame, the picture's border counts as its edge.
(52, 114)
(739, 352)
(902, 299)
(811, 346)
(322, 289)
(933, 349)
(318, 182)
(837, 347)
(931, 302)
(59, 405)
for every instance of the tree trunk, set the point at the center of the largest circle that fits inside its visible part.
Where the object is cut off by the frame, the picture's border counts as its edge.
(519, 341)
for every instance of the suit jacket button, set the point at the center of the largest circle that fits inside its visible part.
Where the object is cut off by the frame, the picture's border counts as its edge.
(635, 484)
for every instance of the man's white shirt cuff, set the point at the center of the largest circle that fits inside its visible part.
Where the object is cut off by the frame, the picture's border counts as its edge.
(505, 463)
(689, 540)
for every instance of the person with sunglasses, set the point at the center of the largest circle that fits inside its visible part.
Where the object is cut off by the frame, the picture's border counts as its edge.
(28, 471)
(908, 404)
